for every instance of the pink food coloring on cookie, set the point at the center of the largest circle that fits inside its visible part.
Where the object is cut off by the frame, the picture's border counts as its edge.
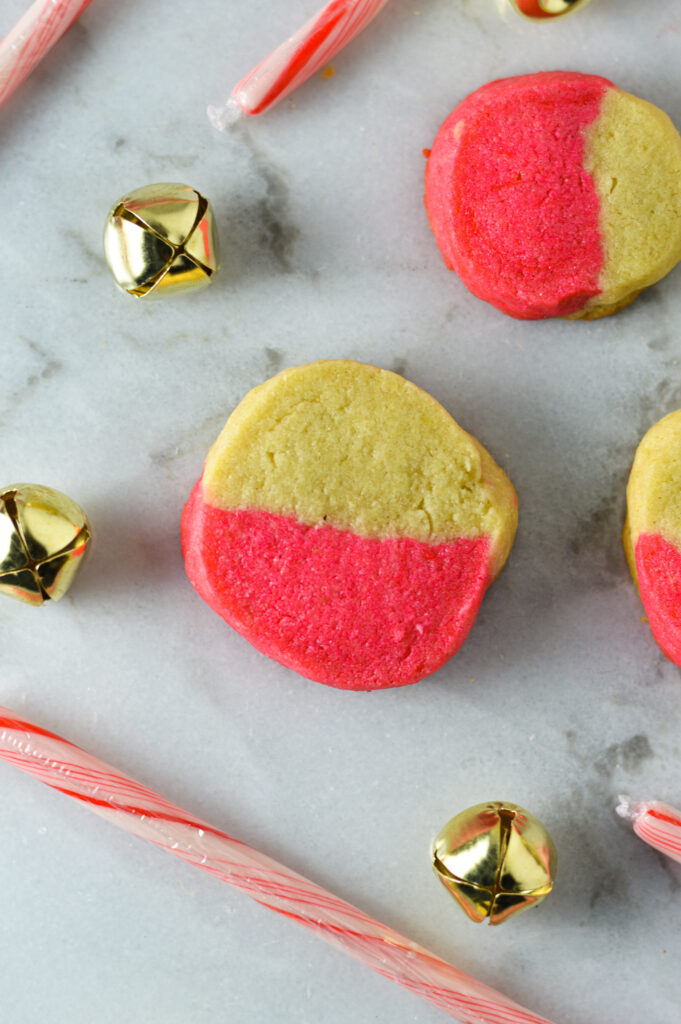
(658, 566)
(354, 612)
(513, 210)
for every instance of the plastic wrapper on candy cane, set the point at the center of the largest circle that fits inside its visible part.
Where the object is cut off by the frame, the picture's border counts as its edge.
(44, 23)
(294, 61)
(657, 824)
(142, 812)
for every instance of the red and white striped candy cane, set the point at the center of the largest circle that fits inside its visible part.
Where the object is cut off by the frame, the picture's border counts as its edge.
(657, 824)
(44, 23)
(142, 812)
(294, 61)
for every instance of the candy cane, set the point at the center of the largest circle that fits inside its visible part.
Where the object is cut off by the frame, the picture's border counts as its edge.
(657, 824)
(44, 23)
(142, 812)
(295, 60)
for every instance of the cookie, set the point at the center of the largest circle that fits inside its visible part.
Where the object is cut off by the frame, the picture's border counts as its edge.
(652, 531)
(347, 526)
(556, 194)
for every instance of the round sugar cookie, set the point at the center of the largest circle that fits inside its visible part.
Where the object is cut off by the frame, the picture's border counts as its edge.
(652, 531)
(556, 194)
(347, 526)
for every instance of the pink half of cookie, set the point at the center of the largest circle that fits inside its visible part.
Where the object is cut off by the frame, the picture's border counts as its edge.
(294, 592)
(658, 566)
(513, 210)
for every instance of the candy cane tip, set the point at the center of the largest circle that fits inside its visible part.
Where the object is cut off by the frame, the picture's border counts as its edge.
(626, 808)
(223, 117)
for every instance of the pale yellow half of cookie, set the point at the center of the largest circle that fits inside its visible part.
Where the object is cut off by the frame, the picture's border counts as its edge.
(633, 152)
(361, 449)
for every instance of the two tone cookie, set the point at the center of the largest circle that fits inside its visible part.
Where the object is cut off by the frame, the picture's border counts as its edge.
(652, 532)
(347, 526)
(556, 194)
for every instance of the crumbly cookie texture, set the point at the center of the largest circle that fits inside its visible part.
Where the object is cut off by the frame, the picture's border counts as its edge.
(633, 153)
(652, 531)
(556, 194)
(361, 449)
(347, 526)
(654, 488)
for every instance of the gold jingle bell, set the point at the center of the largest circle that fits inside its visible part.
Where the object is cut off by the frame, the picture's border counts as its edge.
(161, 240)
(495, 859)
(43, 537)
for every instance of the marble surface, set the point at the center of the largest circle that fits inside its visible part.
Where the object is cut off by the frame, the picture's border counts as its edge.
(558, 701)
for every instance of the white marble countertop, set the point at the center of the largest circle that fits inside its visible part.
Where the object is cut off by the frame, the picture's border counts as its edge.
(558, 701)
